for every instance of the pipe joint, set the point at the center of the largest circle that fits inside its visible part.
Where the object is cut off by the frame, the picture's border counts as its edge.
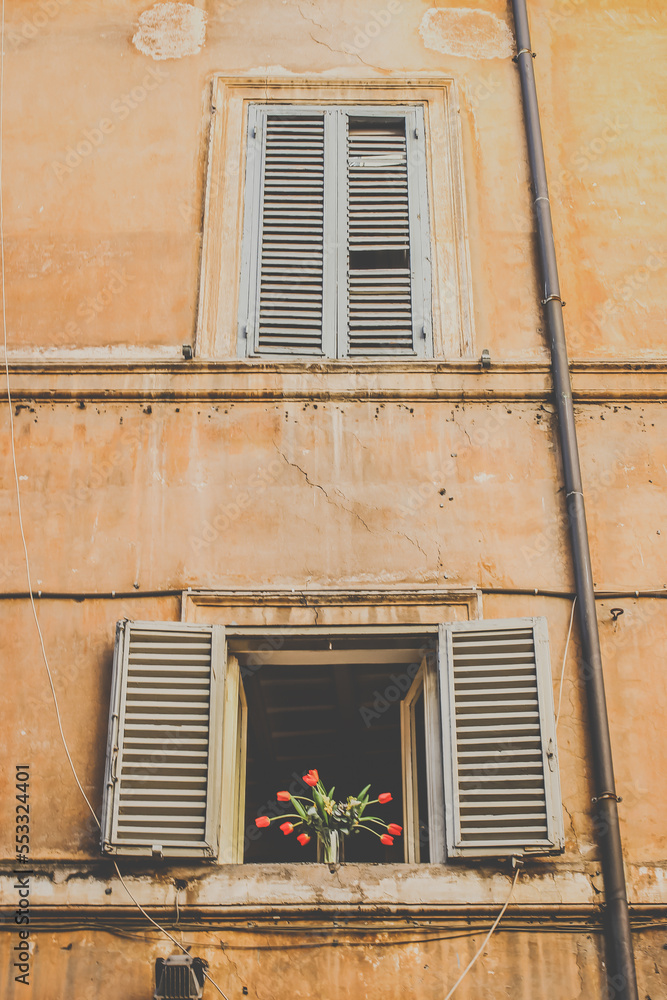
(553, 298)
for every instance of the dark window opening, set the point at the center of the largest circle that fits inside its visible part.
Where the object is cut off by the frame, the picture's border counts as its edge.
(334, 705)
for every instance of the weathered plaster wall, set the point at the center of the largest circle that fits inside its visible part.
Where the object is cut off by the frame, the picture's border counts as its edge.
(220, 477)
(298, 494)
(109, 236)
(273, 965)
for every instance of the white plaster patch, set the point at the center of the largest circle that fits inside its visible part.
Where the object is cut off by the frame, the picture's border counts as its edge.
(462, 31)
(171, 31)
(483, 477)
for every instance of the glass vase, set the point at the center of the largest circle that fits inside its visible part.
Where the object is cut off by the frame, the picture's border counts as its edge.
(330, 847)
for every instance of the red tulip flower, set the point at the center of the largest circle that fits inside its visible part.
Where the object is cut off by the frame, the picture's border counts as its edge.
(262, 821)
(311, 778)
(283, 796)
(386, 839)
(395, 830)
(303, 839)
(384, 797)
(286, 828)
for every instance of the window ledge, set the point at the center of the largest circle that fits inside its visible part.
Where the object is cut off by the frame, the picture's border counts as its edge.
(312, 888)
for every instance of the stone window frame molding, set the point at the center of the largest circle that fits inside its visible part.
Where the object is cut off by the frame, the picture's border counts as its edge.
(216, 335)
(154, 662)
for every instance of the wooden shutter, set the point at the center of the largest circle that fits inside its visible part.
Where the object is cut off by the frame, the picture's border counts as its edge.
(336, 249)
(286, 282)
(379, 279)
(502, 790)
(165, 737)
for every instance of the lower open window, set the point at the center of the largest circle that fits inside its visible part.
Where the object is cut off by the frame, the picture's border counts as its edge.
(455, 721)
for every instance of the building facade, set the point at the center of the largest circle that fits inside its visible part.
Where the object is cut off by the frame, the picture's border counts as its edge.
(282, 405)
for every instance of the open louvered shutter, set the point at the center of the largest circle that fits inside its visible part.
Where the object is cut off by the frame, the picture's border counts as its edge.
(502, 789)
(162, 788)
(285, 232)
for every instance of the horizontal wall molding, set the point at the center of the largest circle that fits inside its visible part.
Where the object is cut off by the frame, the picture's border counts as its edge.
(340, 381)
(92, 887)
(114, 595)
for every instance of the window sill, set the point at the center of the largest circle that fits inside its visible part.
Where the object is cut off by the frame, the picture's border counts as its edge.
(256, 890)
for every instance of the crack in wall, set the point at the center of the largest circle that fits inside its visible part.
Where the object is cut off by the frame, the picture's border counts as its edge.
(320, 487)
(581, 962)
(349, 51)
(348, 509)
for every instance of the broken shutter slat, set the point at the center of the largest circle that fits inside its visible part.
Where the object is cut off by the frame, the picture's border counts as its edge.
(379, 278)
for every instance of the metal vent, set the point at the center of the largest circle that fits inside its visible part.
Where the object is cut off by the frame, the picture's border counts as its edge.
(179, 977)
(292, 236)
(379, 279)
(158, 775)
(504, 777)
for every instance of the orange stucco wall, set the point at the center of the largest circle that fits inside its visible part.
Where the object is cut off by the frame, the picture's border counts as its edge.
(140, 471)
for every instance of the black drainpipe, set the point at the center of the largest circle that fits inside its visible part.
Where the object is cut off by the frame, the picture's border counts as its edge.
(621, 979)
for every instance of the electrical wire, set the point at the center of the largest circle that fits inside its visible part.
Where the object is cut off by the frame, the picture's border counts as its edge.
(508, 927)
(162, 929)
(562, 672)
(484, 942)
(18, 498)
(11, 424)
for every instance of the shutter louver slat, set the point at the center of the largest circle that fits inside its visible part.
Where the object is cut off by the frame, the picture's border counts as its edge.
(379, 281)
(291, 282)
(160, 781)
(498, 743)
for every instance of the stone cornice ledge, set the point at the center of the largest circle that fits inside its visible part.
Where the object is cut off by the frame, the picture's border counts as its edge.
(327, 381)
(292, 887)
(306, 885)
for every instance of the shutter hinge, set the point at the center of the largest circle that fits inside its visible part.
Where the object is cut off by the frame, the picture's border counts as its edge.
(254, 132)
(416, 133)
(423, 331)
(551, 753)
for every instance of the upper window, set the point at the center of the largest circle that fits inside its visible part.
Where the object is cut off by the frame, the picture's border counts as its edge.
(456, 721)
(336, 251)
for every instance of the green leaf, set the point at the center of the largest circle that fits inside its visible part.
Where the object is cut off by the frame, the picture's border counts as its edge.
(331, 792)
(363, 794)
(299, 808)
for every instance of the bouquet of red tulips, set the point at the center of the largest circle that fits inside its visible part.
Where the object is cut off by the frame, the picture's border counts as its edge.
(330, 820)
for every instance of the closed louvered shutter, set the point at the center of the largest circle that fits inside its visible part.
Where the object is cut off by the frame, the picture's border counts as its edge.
(502, 788)
(165, 738)
(379, 281)
(291, 268)
(335, 249)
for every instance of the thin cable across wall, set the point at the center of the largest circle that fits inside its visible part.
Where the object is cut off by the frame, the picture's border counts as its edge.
(20, 509)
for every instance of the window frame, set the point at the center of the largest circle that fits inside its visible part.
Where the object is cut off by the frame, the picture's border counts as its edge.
(335, 317)
(216, 334)
(225, 813)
